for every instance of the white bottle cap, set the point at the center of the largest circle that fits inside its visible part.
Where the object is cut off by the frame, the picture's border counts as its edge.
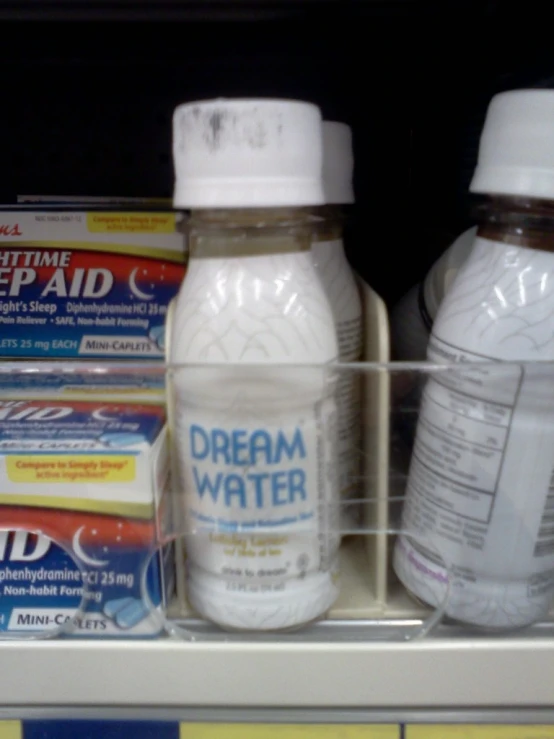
(338, 163)
(247, 154)
(516, 151)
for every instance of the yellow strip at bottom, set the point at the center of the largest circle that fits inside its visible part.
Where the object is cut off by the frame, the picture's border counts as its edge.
(10, 730)
(289, 731)
(472, 731)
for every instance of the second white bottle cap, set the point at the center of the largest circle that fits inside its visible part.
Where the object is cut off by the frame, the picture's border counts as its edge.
(516, 150)
(247, 154)
(338, 163)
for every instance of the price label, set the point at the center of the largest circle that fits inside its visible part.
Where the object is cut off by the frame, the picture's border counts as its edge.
(10, 730)
(472, 731)
(73, 728)
(289, 731)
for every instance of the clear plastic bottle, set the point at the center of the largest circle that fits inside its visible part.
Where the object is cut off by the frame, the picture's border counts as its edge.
(411, 324)
(255, 411)
(412, 317)
(344, 296)
(480, 489)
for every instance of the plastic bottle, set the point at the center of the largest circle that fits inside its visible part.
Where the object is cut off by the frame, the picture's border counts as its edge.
(343, 293)
(412, 317)
(255, 411)
(480, 489)
(411, 324)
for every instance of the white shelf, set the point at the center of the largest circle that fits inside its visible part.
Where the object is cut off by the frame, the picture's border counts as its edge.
(436, 673)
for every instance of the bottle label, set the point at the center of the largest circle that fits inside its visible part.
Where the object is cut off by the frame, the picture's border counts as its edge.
(342, 292)
(481, 508)
(349, 433)
(479, 498)
(258, 497)
(257, 439)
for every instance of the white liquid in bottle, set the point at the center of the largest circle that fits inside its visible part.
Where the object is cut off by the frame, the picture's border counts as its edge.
(481, 483)
(255, 419)
(344, 296)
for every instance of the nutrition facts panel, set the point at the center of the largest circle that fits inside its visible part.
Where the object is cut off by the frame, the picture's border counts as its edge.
(463, 433)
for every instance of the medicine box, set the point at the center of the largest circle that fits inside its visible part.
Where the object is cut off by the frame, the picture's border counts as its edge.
(129, 382)
(88, 283)
(82, 493)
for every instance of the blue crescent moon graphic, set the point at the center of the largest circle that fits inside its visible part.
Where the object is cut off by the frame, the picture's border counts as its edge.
(135, 289)
(78, 549)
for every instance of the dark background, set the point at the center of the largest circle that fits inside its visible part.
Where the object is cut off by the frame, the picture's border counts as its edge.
(88, 90)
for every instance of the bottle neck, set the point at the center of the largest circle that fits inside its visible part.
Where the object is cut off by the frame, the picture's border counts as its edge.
(329, 222)
(519, 221)
(248, 232)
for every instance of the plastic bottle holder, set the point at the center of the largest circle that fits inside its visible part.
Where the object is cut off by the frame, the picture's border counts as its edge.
(467, 547)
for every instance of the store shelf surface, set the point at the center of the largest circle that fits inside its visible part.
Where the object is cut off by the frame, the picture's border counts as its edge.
(436, 672)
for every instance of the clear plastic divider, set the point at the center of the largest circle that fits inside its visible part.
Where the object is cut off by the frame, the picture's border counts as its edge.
(238, 520)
